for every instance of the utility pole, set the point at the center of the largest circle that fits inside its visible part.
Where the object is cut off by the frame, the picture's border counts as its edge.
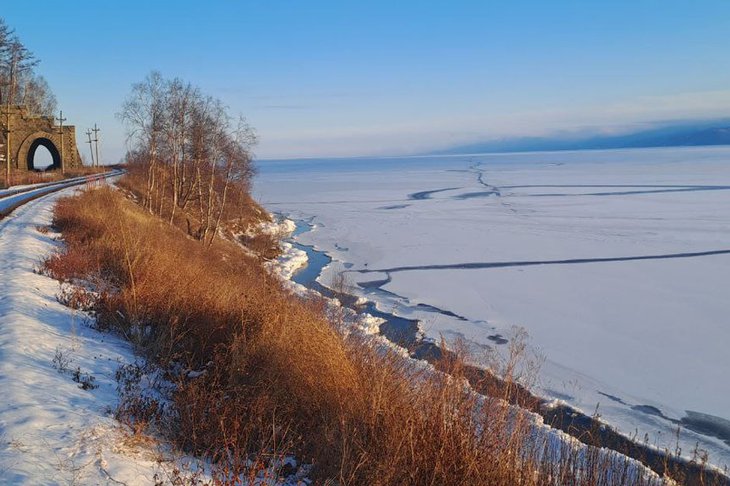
(96, 143)
(61, 119)
(7, 146)
(91, 150)
(7, 140)
(2, 156)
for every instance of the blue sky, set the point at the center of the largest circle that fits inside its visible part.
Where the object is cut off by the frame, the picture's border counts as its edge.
(361, 78)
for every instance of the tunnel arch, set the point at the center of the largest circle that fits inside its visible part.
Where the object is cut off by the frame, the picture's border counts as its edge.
(50, 146)
(27, 150)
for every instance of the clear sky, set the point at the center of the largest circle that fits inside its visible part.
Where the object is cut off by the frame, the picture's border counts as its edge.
(320, 78)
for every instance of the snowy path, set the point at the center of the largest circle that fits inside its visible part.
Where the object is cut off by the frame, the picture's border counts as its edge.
(52, 431)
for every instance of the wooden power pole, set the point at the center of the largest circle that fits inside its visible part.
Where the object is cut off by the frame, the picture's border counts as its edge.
(7, 147)
(91, 150)
(61, 119)
(7, 143)
(96, 143)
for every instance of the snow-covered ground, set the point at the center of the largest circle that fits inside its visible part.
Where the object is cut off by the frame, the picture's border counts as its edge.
(548, 241)
(22, 187)
(58, 383)
(51, 430)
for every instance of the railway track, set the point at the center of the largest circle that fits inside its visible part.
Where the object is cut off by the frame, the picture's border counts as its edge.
(12, 199)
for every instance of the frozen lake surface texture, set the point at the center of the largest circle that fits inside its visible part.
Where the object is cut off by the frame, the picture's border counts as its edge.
(617, 263)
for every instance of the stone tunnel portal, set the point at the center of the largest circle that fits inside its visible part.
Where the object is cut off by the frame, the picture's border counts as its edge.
(48, 144)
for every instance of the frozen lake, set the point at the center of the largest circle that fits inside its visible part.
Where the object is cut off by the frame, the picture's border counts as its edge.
(617, 263)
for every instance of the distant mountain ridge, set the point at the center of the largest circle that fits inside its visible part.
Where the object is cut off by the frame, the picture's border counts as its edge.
(716, 132)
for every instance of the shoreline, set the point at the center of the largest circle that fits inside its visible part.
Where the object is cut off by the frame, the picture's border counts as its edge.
(404, 332)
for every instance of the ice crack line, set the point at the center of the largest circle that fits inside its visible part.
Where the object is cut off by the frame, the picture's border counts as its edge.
(481, 265)
(624, 189)
(480, 179)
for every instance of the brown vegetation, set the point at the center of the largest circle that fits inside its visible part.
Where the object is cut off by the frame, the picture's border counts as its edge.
(280, 378)
(23, 177)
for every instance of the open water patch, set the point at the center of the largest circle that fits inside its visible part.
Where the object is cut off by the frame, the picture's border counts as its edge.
(434, 309)
(651, 410)
(422, 195)
(498, 339)
(399, 330)
(613, 398)
(475, 195)
(704, 423)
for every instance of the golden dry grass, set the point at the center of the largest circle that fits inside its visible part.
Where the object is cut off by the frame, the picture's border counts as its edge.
(23, 177)
(281, 378)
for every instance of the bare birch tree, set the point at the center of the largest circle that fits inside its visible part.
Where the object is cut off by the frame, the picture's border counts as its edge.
(192, 153)
(143, 112)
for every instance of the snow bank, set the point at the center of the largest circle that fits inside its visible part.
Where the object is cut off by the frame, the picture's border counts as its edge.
(289, 262)
(57, 377)
(281, 228)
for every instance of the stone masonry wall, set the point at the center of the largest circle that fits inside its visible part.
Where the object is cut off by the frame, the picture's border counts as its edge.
(25, 129)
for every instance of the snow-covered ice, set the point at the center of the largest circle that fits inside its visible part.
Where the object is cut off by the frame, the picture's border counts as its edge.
(487, 242)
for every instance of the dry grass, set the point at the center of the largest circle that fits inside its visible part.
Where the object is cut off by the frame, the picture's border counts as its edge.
(239, 213)
(282, 379)
(23, 177)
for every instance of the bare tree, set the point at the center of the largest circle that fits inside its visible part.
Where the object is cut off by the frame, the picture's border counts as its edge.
(6, 34)
(19, 84)
(37, 96)
(143, 112)
(20, 61)
(181, 102)
(238, 167)
(192, 153)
